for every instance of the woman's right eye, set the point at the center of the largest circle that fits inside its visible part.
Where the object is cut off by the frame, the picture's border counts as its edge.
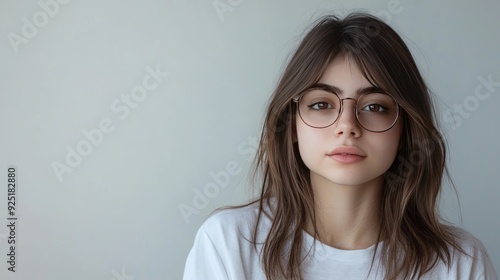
(320, 106)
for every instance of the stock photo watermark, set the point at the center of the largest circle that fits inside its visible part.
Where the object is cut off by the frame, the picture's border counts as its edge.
(30, 27)
(462, 111)
(393, 7)
(122, 108)
(223, 6)
(12, 218)
(422, 150)
(122, 275)
(219, 180)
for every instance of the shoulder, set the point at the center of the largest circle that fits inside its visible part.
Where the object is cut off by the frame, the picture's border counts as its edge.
(235, 223)
(240, 217)
(472, 247)
(224, 247)
(472, 261)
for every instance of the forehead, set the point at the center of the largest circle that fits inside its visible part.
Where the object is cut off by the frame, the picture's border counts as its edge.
(344, 74)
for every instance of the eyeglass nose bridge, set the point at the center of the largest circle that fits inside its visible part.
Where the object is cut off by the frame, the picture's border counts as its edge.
(342, 108)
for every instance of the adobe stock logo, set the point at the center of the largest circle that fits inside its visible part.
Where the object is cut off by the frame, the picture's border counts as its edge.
(121, 275)
(471, 103)
(40, 19)
(219, 180)
(223, 6)
(122, 107)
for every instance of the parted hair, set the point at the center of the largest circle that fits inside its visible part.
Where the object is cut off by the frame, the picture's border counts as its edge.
(415, 238)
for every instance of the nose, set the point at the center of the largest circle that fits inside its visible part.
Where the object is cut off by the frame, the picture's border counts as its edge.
(347, 123)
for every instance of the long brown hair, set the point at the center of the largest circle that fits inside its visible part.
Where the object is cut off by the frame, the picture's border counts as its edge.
(414, 238)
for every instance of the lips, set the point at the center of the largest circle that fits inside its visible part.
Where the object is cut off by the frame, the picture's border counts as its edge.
(347, 154)
(347, 151)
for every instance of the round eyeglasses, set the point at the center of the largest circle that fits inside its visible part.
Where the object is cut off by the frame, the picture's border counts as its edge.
(320, 107)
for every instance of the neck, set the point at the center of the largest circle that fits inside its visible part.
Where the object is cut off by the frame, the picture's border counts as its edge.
(347, 217)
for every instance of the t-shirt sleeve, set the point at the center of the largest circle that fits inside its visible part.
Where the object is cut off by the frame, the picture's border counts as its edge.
(476, 263)
(204, 261)
(485, 270)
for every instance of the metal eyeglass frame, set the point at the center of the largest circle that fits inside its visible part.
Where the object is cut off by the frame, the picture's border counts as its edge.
(327, 88)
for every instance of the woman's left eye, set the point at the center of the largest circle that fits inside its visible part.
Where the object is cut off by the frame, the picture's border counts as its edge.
(374, 108)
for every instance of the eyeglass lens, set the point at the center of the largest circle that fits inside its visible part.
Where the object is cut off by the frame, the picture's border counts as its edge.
(375, 111)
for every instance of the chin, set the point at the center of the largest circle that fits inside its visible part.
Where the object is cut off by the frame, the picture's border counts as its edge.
(352, 179)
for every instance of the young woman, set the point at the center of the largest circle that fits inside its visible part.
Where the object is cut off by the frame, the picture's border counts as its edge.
(351, 165)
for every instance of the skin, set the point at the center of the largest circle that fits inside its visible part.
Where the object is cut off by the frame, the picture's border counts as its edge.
(347, 195)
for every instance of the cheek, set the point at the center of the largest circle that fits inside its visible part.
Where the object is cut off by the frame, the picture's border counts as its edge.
(311, 142)
(389, 144)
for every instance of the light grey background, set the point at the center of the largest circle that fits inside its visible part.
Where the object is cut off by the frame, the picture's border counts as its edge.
(117, 214)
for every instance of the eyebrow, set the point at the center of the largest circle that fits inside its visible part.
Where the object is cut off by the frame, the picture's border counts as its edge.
(359, 91)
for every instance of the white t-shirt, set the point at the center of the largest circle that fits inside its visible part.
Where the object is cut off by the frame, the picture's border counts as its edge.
(222, 250)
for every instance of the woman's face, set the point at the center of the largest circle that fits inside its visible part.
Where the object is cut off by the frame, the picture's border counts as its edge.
(345, 153)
